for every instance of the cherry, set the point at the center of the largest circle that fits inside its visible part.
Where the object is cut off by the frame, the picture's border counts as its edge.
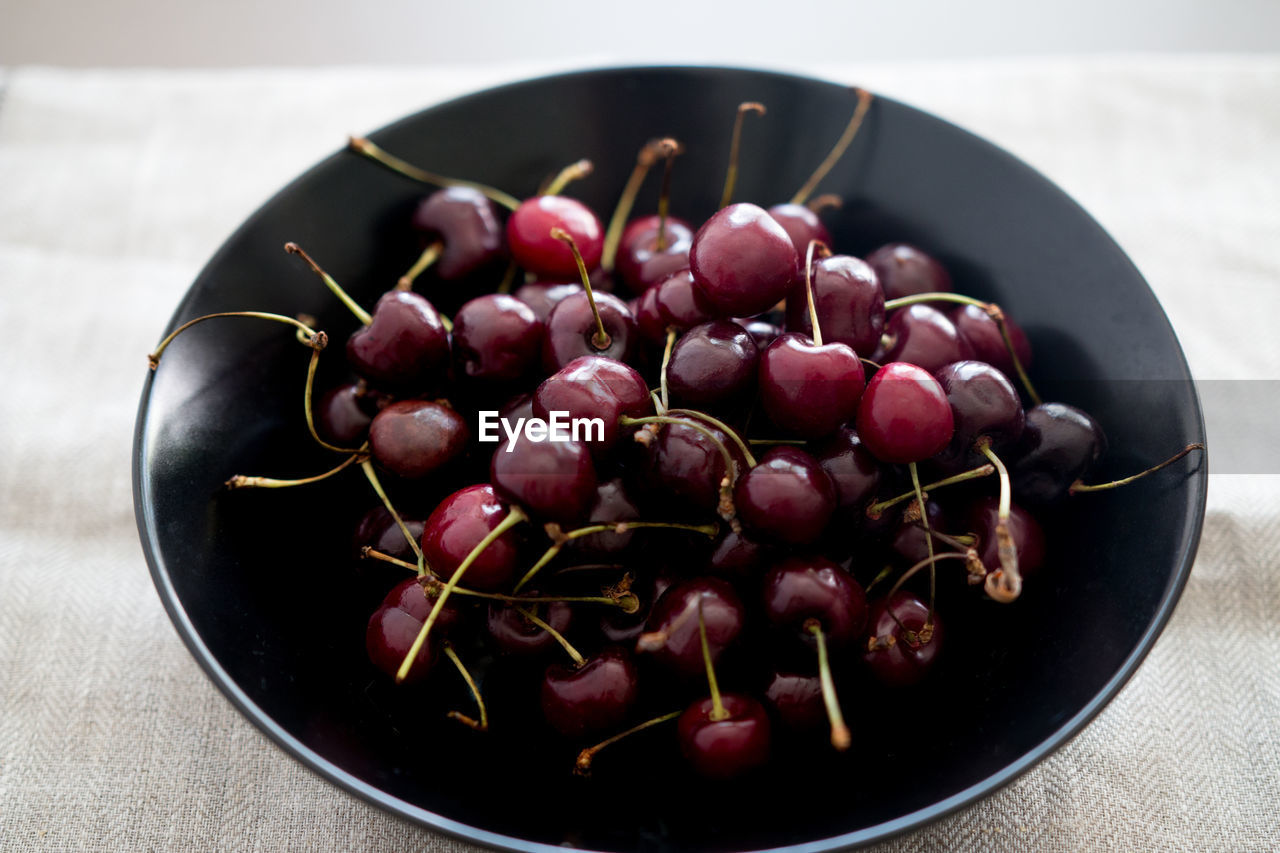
(394, 626)
(684, 467)
(496, 338)
(800, 590)
(801, 224)
(594, 387)
(923, 335)
(618, 626)
(854, 472)
(810, 388)
(404, 345)
(849, 302)
(982, 333)
(712, 365)
(343, 415)
(742, 260)
(904, 640)
(904, 415)
(572, 330)
(725, 747)
(910, 542)
(786, 497)
(612, 504)
(513, 633)
(519, 407)
(1058, 446)
(904, 270)
(594, 697)
(414, 438)
(762, 331)
(377, 529)
(796, 700)
(1028, 535)
(984, 404)
(457, 525)
(672, 635)
(551, 479)
(679, 302)
(649, 323)
(464, 221)
(734, 556)
(541, 297)
(533, 247)
(642, 261)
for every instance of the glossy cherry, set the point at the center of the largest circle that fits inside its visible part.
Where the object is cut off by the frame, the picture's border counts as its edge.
(796, 700)
(343, 414)
(787, 497)
(594, 387)
(1028, 535)
(405, 345)
(379, 531)
(394, 626)
(742, 260)
(1059, 445)
(849, 302)
(898, 657)
(415, 438)
(572, 330)
(904, 415)
(803, 589)
(496, 338)
(595, 697)
(712, 366)
(736, 556)
(904, 270)
(801, 224)
(984, 404)
(762, 331)
(854, 472)
(810, 389)
(725, 748)
(612, 504)
(552, 480)
(535, 250)
(683, 468)
(464, 221)
(457, 525)
(641, 262)
(923, 335)
(671, 635)
(513, 633)
(679, 302)
(541, 297)
(982, 333)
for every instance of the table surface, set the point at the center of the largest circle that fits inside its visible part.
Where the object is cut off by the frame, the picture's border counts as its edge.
(116, 187)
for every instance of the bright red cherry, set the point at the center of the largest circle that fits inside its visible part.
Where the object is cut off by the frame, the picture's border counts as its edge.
(743, 262)
(810, 389)
(405, 345)
(594, 387)
(456, 527)
(535, 250)
(496, 338)
(904, 415)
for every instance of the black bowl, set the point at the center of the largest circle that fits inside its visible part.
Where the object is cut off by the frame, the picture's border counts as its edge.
(260, 591)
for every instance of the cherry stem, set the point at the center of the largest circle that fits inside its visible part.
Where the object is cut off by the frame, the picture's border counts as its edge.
(1078, 487)
(483, 724)
(928, 561)
(395, 164)
(569, 174)
(666, 360)
(826, 201)
(775, 442)
(626, 201)
(877, 509)
(361, 314)
(869, 363)
(723, 427)
(808, 285)
(561, 539)
(928, 539)
(726, 508)
(600, 340)
(731, 174)
(884, 573)
(429, 256)
(841, 739)
(315, 339)
(718, 710)
(372, 476)
(1005, 584)
(240, 481)
(508, 278)
(583, 765)
(578, 659)
(307, 410)
(837, 151)
(669, 153)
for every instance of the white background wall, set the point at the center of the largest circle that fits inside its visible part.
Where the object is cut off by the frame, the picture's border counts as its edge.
(780, 33)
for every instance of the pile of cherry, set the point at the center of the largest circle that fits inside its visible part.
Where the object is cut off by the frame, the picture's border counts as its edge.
(795, 444)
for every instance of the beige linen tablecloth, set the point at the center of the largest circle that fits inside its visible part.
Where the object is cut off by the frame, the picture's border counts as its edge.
(115, 187)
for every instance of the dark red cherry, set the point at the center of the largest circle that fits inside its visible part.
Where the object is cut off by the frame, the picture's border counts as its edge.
(641, 264)
(904, 415)
(673, 625)
(1028, 535)
(854, 472)
(910, 542)
(787, 497)
(394, 626)
(807, 389)
(984, 404)
(405, 346)
(801, 589)
(849, 302)
(541, 297)
(904, 270)
(796, 700)
(735, 556)
(414, 438)
(983, 336)
(496, 338)
(571, 329)
(464, 220)
(896, 657)
(761, 331)
(801, 224)
(679, 303)
(343, 415)
(535, 250)
(724, 749)
(743, 262)
(379, 531)
(1059, 445)
(513, 633)
(683, 468)
(617, 626)
(923, 335)
(594, 387)
(650, 325)
(552, 480)
(612, 504)
(595, 697)
(712, 365)
(457, 525)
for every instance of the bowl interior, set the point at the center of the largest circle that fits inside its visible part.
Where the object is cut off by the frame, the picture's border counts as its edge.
(260, 587)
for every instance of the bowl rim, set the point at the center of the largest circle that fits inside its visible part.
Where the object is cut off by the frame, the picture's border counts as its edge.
(147, 528)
